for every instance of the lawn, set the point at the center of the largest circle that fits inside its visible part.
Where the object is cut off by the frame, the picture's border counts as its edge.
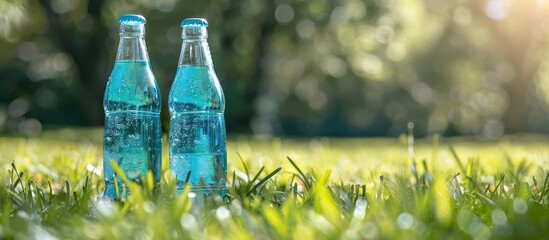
(372, 188)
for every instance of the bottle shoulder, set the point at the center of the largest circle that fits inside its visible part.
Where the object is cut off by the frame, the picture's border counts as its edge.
(196, 88)
(132, 86)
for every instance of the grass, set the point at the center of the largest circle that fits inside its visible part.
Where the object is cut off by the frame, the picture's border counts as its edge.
(286, 189)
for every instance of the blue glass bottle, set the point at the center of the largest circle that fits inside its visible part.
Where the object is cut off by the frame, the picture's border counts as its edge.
(133, 134)
(197, 125)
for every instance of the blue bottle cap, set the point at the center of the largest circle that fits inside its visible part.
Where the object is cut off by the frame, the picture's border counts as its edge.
(194, 22)
(132, 19)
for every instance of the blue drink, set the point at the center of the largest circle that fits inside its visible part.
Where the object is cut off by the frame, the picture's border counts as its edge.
(197, 125)
(133, 133)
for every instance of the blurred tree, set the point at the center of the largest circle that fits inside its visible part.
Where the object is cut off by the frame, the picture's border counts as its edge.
(518, 29)
(84, 38)
(85, 32)
(337, 67)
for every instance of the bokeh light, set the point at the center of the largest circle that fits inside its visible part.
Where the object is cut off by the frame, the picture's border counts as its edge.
(343, 68)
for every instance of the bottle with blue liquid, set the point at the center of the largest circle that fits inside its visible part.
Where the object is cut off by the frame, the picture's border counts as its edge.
(197, 125)
(133, 134)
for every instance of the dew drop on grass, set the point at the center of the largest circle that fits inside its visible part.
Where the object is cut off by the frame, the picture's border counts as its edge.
(236, 207)
(360, 209)
(520, 206)
(222, 213)
(369, 231)
(191, 195)
(473, 225)
(23, 215)
(93, 170)
(350, 234)
(405, 221)
(148, 206)
(38, 232)
(188, 222)
(498, 217)
(321, 223)
(105, 208)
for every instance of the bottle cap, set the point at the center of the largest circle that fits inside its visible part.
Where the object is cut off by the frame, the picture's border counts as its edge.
(132, 19)
(194, 22)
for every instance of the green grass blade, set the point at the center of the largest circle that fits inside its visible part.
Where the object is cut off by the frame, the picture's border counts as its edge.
(251, 182)
(457, 159)
(68, 189)
(545, 187)
(302, 175)
(244, 165)
(265, 179)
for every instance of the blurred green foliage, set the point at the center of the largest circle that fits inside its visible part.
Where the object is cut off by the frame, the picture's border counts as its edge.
(337, 67)
(330, 189)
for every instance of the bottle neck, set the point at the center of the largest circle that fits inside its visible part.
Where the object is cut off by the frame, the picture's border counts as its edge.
(195, 51)
(132, 44)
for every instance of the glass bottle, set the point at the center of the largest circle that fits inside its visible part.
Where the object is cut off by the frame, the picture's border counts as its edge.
(197, 125)
(132, 103)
